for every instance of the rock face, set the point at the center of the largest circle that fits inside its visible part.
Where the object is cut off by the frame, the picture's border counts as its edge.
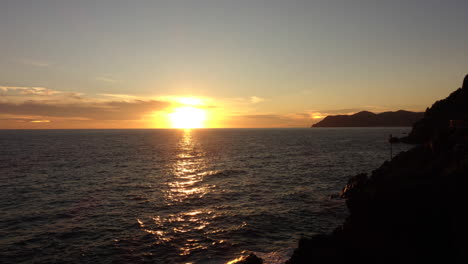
(413, 208)
(368, 119)
(436, 120)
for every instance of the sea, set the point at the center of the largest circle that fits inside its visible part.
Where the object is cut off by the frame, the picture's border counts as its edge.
(175, 195)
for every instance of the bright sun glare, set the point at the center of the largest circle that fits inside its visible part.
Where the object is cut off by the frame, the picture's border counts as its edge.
(188, 117)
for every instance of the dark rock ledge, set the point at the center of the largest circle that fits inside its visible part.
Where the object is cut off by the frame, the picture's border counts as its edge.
(413, 209)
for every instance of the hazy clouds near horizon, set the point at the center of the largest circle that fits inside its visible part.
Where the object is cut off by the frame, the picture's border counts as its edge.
(297, 56)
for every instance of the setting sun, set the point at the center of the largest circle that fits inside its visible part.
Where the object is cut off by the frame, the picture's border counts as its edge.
(188, 117)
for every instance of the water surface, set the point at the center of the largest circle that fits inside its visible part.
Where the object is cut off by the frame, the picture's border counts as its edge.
(175, 196)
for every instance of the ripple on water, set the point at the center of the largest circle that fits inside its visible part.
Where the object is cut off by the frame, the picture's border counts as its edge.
(174, 196)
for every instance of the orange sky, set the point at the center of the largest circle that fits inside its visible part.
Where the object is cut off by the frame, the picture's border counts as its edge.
(256, 63)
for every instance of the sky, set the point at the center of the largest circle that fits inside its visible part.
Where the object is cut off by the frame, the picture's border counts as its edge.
(244, 63)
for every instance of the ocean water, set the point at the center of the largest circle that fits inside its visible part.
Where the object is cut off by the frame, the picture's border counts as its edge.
(175, 196)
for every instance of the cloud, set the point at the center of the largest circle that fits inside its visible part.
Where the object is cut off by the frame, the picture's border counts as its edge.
(120, 96)
(344, 111)
(320, 114)
(19, 94)
(19, 119)
(255, 99)
(35, 63)
(316, 116)
(111, 110)
(299, 119)
(107, 79)
(23, 119)
(39, 91)
(271, 120)
(28, 90)
(40, 121)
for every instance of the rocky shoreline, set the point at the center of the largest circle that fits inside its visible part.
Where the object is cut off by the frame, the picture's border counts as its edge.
(412, 208)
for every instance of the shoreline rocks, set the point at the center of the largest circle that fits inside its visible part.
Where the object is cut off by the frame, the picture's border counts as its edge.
(411, 209)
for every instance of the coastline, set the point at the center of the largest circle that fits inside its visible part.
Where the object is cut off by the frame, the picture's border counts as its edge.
(410, 209)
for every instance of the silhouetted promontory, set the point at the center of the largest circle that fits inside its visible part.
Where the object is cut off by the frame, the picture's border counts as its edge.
(411, 209)
(453, 109)
(399, 118)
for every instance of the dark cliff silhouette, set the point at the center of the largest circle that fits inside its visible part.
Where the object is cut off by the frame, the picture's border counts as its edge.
(399, 118)
(413, 208)
(436, 120)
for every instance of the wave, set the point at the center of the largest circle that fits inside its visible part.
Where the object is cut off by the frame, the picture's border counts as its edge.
(224, 173)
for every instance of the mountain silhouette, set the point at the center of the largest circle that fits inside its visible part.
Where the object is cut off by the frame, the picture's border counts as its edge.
(399, 118)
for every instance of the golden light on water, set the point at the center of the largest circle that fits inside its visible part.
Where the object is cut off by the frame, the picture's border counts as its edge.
(186, 183)
(237, 260)
(187, 170)
(188, 229)
(188, 117)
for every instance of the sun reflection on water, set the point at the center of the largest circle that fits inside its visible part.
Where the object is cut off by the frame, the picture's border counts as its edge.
(187, 171)
(188, 229)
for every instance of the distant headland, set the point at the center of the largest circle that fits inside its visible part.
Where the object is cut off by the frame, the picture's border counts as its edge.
(399, 118)
(412, 208)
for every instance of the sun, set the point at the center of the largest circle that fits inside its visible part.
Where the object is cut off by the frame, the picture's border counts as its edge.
(188, 117)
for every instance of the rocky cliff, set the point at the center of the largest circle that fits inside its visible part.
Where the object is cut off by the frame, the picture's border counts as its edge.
(368, 119)
(436, 120)
(413, 208)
